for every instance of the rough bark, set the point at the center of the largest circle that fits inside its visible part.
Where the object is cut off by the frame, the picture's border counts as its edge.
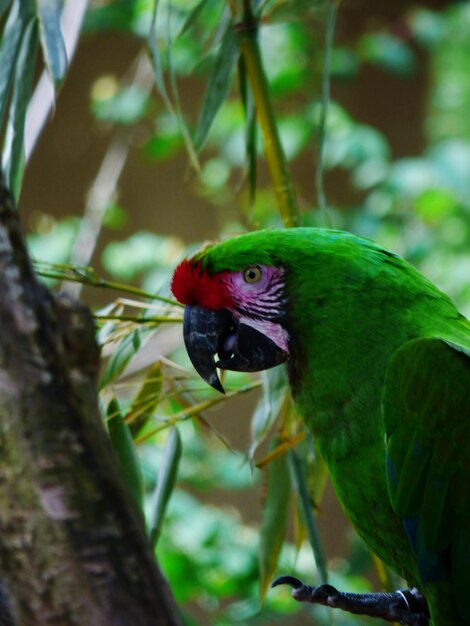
(73, 548)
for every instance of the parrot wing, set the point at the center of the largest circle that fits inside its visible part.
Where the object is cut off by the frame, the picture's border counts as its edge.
(426, 409)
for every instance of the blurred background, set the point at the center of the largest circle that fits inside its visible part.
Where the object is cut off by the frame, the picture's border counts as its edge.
(128, 176)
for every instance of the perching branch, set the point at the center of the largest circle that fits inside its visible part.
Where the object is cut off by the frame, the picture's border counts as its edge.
(73, 548)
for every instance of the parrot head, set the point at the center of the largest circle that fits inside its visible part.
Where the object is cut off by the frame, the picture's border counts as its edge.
(235, 309)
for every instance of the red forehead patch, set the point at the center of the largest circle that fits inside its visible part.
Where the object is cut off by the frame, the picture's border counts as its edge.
(192, 285)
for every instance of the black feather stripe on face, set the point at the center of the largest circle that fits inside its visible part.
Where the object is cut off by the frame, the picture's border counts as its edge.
(267, 305)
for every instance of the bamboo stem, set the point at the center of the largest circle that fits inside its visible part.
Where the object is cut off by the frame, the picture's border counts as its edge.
(283, 188)
(325, 102)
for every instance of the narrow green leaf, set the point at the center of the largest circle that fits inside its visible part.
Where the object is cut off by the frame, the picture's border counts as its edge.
(192, 17)
(275, 515)
(156, 62)
(325, 102)
(123, 354)
(27, 9)
(317, 477)
(147, 399)
(275, 391)
(219, 85)
(190, 148)
(52, 42)
(3, 6)
(298, 522)
(125, 449)
(165, 483)
(9, 47)
(299, 479)
(13, 157)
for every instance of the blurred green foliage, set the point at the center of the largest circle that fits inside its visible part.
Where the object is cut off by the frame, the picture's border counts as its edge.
(418, 205)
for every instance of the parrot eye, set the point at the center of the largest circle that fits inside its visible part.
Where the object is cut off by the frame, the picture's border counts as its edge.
(252, 274)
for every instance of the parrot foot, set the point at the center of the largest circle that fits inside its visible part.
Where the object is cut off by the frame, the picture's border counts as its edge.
(406, 606)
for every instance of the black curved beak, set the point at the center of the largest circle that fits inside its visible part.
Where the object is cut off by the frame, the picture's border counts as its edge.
(239, 347)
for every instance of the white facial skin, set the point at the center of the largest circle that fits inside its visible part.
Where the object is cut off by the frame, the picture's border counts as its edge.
(259, 295)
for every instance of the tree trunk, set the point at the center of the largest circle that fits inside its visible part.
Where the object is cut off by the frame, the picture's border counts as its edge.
(73, 549)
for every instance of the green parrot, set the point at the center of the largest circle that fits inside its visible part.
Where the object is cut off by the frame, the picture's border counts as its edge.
(379, 368)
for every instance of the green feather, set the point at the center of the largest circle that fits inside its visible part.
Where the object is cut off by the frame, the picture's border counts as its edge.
(382, 378)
